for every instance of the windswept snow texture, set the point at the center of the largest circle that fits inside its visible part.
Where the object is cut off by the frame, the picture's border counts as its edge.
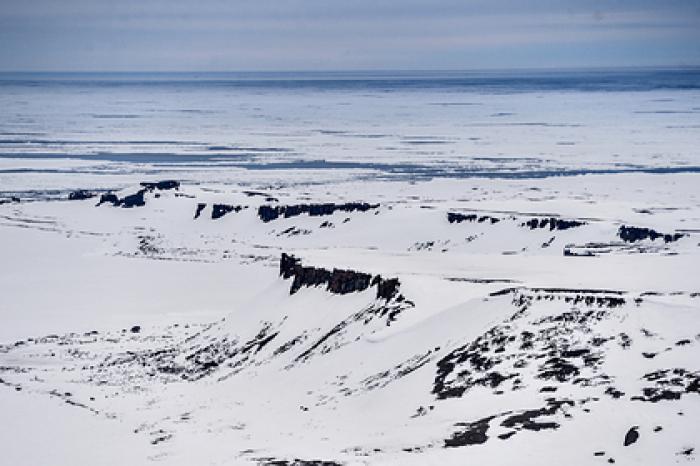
(431, 328)
(260, 275)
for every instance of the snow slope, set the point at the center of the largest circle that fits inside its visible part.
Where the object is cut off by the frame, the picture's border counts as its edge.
(534, 320)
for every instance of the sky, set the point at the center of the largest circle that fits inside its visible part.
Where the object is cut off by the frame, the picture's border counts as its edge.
(280, 35)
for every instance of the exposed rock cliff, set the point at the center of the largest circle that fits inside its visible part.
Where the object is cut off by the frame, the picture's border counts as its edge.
(268, 213)
(337, 281)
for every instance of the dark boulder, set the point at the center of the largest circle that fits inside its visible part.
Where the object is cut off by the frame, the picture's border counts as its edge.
(631, 436)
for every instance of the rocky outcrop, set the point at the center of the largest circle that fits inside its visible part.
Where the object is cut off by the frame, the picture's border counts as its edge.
(138, 198)
(161, 185)
(80, 195)
(471, 433)
(633, 234)
(455, 217)
(631, 436)
(200, 208)
(552, 223)
(132, 200)
(268, 213)
(337, 281)
(387, 288)
(109, 198)
(219, 210)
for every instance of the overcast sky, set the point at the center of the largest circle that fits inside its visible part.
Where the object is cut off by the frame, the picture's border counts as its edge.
(232, 35)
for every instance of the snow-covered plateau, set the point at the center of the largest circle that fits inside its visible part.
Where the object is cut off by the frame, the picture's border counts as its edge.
(369, 322)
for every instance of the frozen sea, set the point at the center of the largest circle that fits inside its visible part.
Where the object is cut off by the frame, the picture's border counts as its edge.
(351, 124)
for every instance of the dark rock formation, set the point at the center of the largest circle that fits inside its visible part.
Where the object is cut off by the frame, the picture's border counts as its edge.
(200, 208)
(13, 199)
(161, 185)
(484, 361)
(633, 234)
(288, 265)
(474, 433)
(386, 288)
(219, 210)
(631, 436)
(80, 195)
(669, 384)
(575, 295)
(528, 419)
(137, 199)
(552, 223)
(454, 217)
(132, 200)
(110, 198)
(268, 213)
(337, 281)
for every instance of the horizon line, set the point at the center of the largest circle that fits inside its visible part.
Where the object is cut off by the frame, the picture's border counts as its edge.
(369, 70)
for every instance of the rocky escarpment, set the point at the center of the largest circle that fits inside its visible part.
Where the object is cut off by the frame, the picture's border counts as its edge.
(217, 210)
(455, 217)
(552, 223)
(337, 281)
(132, 200)
(138, 198)
(160, 185)
(268, 213)
(633, 234)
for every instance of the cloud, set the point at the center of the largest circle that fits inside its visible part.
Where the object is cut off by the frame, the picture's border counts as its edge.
(326, 34)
